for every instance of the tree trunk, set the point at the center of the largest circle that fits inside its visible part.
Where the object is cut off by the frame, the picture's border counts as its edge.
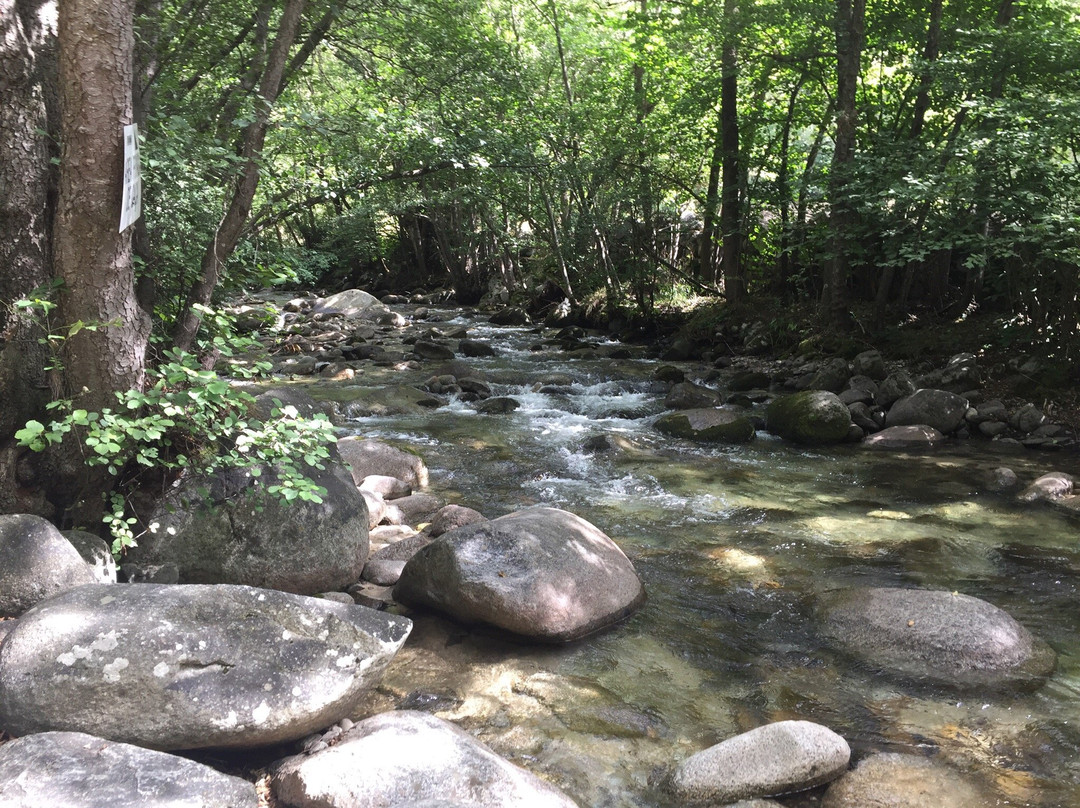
(850, 23)
(707, 248)
(93, 260)
(730, 218)
(27, 82)
(228, 231)
(930, 55)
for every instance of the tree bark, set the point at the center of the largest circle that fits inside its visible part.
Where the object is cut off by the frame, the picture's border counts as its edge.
(93, 260)
(730, 214)
(850, 23)
(231, 226)
(27, 82)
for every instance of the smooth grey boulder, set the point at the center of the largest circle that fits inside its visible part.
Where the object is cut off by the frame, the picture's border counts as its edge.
(350, 302)
(541, 573)
(892, 780)
(1048, 488)
(940, 409)
(499, 405)
(376, 509)
(474, 348)
(95, 552)
(893, 388)
(386, 487)
(690, 396)
(365, 457)
(810, 417)
(229, 529)
(426, 349)
(405, 758)
(449, 517)
(833, 376)
(719, 425)
(183, 667)
(75, 770)
(904, 437)
(775, 759)
(869, 363)
(935, 636)
(36, 561)
(415, 508)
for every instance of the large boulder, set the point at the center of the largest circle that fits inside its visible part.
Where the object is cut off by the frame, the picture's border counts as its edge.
(75, 770)
(809, 417)
(405, 759)
(833, 376)
(892, 780)
(183, 667)
(541, 573)
(351, 303)
(36, 561)
(366, 457)
(893, 388)
(774, 759)
(690, 396)
(940, 409)
(936, 636)
(1049, 488)
(229, 529)
(722, 425)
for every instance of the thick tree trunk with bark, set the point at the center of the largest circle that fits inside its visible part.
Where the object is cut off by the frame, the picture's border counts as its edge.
(27, 200)
(91, 258)
(230, 228)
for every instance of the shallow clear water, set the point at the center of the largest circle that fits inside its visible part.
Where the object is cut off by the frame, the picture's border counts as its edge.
(732, 544)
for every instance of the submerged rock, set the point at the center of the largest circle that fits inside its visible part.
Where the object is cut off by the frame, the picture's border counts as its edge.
(903, 781)
(183, 667)
(932, 635)
(774, 759)
(409, 758)
(1049, 488)
(708, 424)
(36, 561)
(542, 573)
(75, 770)
(905, 437)
(809, 417)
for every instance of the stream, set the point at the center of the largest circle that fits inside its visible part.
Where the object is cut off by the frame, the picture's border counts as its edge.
(732, 544)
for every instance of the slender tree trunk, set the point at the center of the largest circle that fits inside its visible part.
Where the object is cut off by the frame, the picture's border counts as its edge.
(707, 248)
(730, 213)
(783, 184)
(930, 55)
(231, 226)
(850, 22)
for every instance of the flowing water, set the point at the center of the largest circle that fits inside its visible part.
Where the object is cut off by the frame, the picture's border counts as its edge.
(732, 544)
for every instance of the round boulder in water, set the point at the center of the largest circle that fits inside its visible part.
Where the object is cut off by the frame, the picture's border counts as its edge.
(809, 417)
(541, 573)
(76, 770)
(774, 759)
(708, 424)
(933, 635)
(940, 409)
(410, 758)
(184, 667)
(903, 781)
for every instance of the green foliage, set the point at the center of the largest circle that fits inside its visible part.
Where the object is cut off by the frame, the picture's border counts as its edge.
(189, 417)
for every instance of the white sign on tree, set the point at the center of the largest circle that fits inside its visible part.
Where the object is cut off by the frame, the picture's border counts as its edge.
(131, 206)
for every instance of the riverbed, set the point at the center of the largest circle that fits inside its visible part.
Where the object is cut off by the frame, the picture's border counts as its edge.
(733, 544)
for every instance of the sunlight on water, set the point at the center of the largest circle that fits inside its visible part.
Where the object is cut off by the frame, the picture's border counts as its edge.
(733, 544)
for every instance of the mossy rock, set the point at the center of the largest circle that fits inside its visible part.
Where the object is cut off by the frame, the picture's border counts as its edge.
(716, 425)
(810, 417)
